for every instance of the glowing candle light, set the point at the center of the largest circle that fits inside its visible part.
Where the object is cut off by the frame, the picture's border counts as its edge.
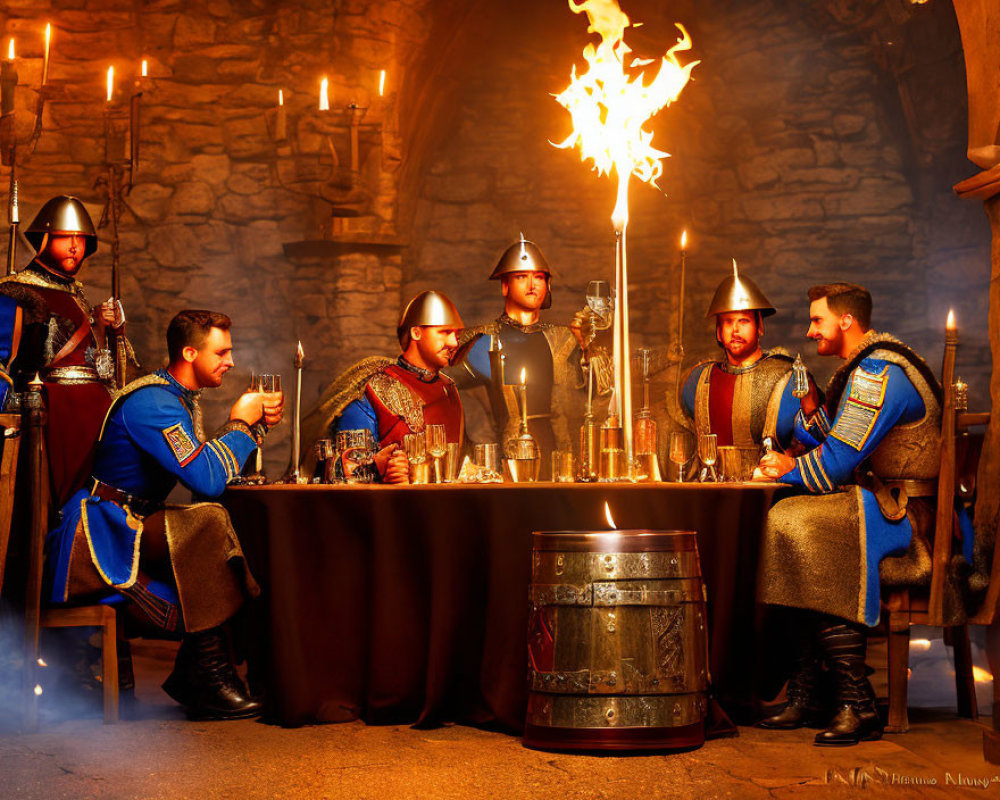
(144, 71)
(684, 240)
(8, 81)
(608, 517)
(10, 50)
(45, 58)
(950, 324)
(111, 83)
(281, 119)
(381, 84)
(324, 95)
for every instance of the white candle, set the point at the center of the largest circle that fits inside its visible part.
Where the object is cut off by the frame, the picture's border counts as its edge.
(45, 58)
(324, 95)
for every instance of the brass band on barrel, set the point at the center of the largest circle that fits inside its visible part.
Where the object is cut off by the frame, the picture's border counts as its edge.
(618, 653)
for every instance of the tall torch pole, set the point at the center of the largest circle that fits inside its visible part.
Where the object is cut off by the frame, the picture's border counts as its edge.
(622, 348)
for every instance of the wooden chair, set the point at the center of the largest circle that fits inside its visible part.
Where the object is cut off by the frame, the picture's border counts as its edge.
(906, 607)
(101, 616)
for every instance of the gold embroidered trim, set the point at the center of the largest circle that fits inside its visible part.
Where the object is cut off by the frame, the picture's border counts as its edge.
(399, 399)
(135, 524)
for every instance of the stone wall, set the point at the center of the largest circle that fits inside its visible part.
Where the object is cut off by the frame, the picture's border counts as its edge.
(799, 150)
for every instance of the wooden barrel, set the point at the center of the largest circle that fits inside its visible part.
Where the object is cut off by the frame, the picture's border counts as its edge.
(618, 655)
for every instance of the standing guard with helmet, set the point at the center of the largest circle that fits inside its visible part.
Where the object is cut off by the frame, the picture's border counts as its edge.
(749, 396)
(393, 397)
(547, 353)
(58, 335)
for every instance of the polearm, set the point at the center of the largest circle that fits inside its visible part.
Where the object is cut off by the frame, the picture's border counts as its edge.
(114, 211)
(13, 220)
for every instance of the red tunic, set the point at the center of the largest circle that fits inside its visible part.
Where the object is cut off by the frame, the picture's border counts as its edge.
(75, 411)
(404, 403)
(722, 384)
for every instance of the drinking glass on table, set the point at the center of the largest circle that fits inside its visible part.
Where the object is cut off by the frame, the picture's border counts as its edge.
(437, 447)
(708, 453)
(486, 457)
(680, 452)
(415, 446)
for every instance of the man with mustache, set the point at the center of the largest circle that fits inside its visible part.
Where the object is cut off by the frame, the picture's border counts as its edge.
(547, 353)
(746, 396)
(866, 496)
(394, 397)
(60, 337)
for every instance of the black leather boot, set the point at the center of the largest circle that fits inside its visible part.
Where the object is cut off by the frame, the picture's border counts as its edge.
(205, 682)
(856, 719)
(804, 706)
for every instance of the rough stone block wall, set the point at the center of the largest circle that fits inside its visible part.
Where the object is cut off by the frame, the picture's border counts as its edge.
(799, 150)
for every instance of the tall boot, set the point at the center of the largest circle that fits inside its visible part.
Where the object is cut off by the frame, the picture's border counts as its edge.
(856, 719)
(205, 682)
(805, 705)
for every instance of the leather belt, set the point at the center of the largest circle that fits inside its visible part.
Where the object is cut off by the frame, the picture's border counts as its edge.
(137, 505)
(71, 375)
(914, 488)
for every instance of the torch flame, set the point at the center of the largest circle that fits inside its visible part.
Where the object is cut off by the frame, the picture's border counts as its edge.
(608, 517)
(609, 106)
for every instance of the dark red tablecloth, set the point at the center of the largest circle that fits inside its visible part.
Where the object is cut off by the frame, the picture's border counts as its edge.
(410, 604)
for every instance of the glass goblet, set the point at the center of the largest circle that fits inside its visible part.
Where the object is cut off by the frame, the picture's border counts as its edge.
(437, 447)
(708, 453)
(415, 446)
(680, 452)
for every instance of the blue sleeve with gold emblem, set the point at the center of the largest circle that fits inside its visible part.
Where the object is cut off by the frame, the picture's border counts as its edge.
(160, 426)
(690, 388)
(878, 397)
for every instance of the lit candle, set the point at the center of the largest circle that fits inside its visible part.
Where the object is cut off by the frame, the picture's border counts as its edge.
(144, 71)
(8, 80)
(281, 120)
(324, 95)
(45, 58)
(680, 304)
(950, 324)
(381, 84)
(111, 83)
(523, 392)
(684, 241)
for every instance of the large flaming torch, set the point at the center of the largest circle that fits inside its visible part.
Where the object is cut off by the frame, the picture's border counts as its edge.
(609, 104)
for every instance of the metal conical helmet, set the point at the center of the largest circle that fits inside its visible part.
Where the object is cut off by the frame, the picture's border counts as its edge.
(62, 214)
(739, 293)
(427, 308)
(522, 256)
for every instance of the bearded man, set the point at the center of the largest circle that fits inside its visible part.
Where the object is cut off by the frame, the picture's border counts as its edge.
(178, 568)
(746, 396)
(868, 488)
(58, 335)
(393, 397)
(548, 354)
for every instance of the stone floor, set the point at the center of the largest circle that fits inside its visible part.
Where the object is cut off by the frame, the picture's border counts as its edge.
(161, 755)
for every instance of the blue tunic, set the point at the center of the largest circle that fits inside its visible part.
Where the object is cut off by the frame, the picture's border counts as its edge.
(840, 447)
(8, 342)
(149, 442)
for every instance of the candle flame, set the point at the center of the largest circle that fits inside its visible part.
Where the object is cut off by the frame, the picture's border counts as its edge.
(609, 107)
(145, 69)
(299, 352)
(381, 83)
(980, 675)
(10, 49)
(38, 689)
(48, 35)
(950, 324)
(281, 97)
(41, 662)
(111, 82)
(524, 375)
(608, 517)
(684, 239)
(324, 95)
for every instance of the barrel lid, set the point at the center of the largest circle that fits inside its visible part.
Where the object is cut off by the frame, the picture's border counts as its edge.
(617, 541)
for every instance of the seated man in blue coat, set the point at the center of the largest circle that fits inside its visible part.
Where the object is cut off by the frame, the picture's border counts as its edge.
(180, 567)
(864, 510)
